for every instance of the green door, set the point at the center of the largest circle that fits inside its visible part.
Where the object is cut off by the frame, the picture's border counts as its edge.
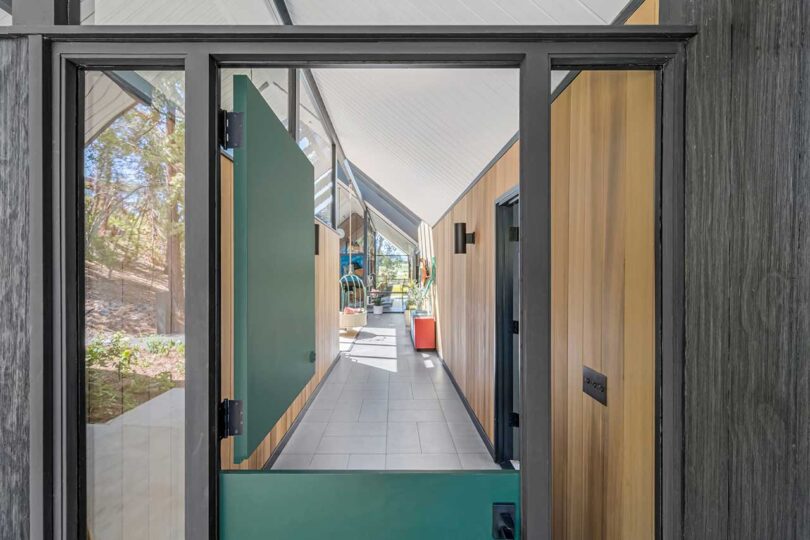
(274, 267)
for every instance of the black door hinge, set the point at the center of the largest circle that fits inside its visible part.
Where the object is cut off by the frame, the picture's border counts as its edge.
(515, 327)
(231, 418)
(231, 128)
(514, 419)
(514, 234)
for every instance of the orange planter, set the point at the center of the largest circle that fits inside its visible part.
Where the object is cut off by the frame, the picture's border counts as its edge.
(423, 333)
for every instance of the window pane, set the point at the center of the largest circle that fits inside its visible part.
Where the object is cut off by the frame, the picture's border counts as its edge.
(314, 140)
(134, 277)
(352, 241)
(272, 83)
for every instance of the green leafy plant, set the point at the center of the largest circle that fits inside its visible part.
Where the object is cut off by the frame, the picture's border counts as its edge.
(113, 383)
(417, 296)
(157, 345)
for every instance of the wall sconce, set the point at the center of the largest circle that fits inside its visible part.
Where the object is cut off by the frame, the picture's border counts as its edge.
(463, 238)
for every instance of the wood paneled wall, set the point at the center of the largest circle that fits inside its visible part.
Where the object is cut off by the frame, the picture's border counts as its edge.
(465, 289)
(327, 306)
(603, 285)
(747, 240)
(603, 305)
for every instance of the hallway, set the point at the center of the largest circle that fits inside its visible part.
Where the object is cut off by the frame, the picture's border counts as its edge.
(386, 406)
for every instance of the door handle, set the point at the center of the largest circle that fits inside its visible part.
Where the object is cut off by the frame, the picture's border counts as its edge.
(507, 528)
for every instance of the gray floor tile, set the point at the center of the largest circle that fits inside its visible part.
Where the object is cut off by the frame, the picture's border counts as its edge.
(292, 461)
(351, 445)
(446, 392)
(478, 461)
(355, 429)
(374, 411)
(366, 385)
(415, 415)
(435, 438)
(378, 377)
(423, 462)
(323, 403)
(454, 411)
(462, 428)
(347, 411)
(399, 390)
(306, 438)
(372, 462)
(379, 411)
(359, 394)
(330, 391)
(317, 415)
(469, 444)
(329, 462)
(423, 391)
(414, 404)
(403, 438)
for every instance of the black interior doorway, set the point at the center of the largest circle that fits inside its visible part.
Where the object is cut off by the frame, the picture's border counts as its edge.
(507, 344)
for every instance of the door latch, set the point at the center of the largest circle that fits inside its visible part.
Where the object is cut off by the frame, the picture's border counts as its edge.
(503, 521)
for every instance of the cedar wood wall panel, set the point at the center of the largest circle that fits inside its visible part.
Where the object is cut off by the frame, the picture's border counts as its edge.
(15, 316)
(327, 306)
(747, 373)
(603, 305)
(602, 171)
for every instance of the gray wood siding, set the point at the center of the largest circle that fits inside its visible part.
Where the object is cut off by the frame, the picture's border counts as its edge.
(747, 377)
(14, 310)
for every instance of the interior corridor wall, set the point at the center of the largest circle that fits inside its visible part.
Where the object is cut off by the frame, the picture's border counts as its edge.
(603, 309)
(327, 338)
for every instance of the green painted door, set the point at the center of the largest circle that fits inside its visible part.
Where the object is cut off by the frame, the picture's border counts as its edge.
(367, 505)
(274, 267)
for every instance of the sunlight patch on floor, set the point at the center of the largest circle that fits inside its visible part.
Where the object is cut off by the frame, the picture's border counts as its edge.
(379, 363)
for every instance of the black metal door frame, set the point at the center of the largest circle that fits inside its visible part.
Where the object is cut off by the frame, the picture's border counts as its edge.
(61, 52)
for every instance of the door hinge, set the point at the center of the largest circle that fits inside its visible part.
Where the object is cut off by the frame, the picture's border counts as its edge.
(514, 419)
(312, 356)
(514, 234)
(231, 418)
(515, 327)
(231, 128)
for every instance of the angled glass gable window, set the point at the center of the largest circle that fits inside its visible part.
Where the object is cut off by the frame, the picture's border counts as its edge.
(177, 12)
(314, 140)
(272, 83)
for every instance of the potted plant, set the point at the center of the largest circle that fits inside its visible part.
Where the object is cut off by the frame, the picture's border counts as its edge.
(377, 303)
(417, 300)
(410, 303)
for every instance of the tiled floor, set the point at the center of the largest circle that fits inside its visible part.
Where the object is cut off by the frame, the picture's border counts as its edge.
(386, 406)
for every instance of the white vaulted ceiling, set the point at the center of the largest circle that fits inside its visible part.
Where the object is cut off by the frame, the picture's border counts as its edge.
(422, 134)
(425, 134)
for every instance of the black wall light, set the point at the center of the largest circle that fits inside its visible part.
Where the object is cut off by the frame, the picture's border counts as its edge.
(463, 238)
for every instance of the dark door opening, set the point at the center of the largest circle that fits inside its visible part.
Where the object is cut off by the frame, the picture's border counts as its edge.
(507, 340)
